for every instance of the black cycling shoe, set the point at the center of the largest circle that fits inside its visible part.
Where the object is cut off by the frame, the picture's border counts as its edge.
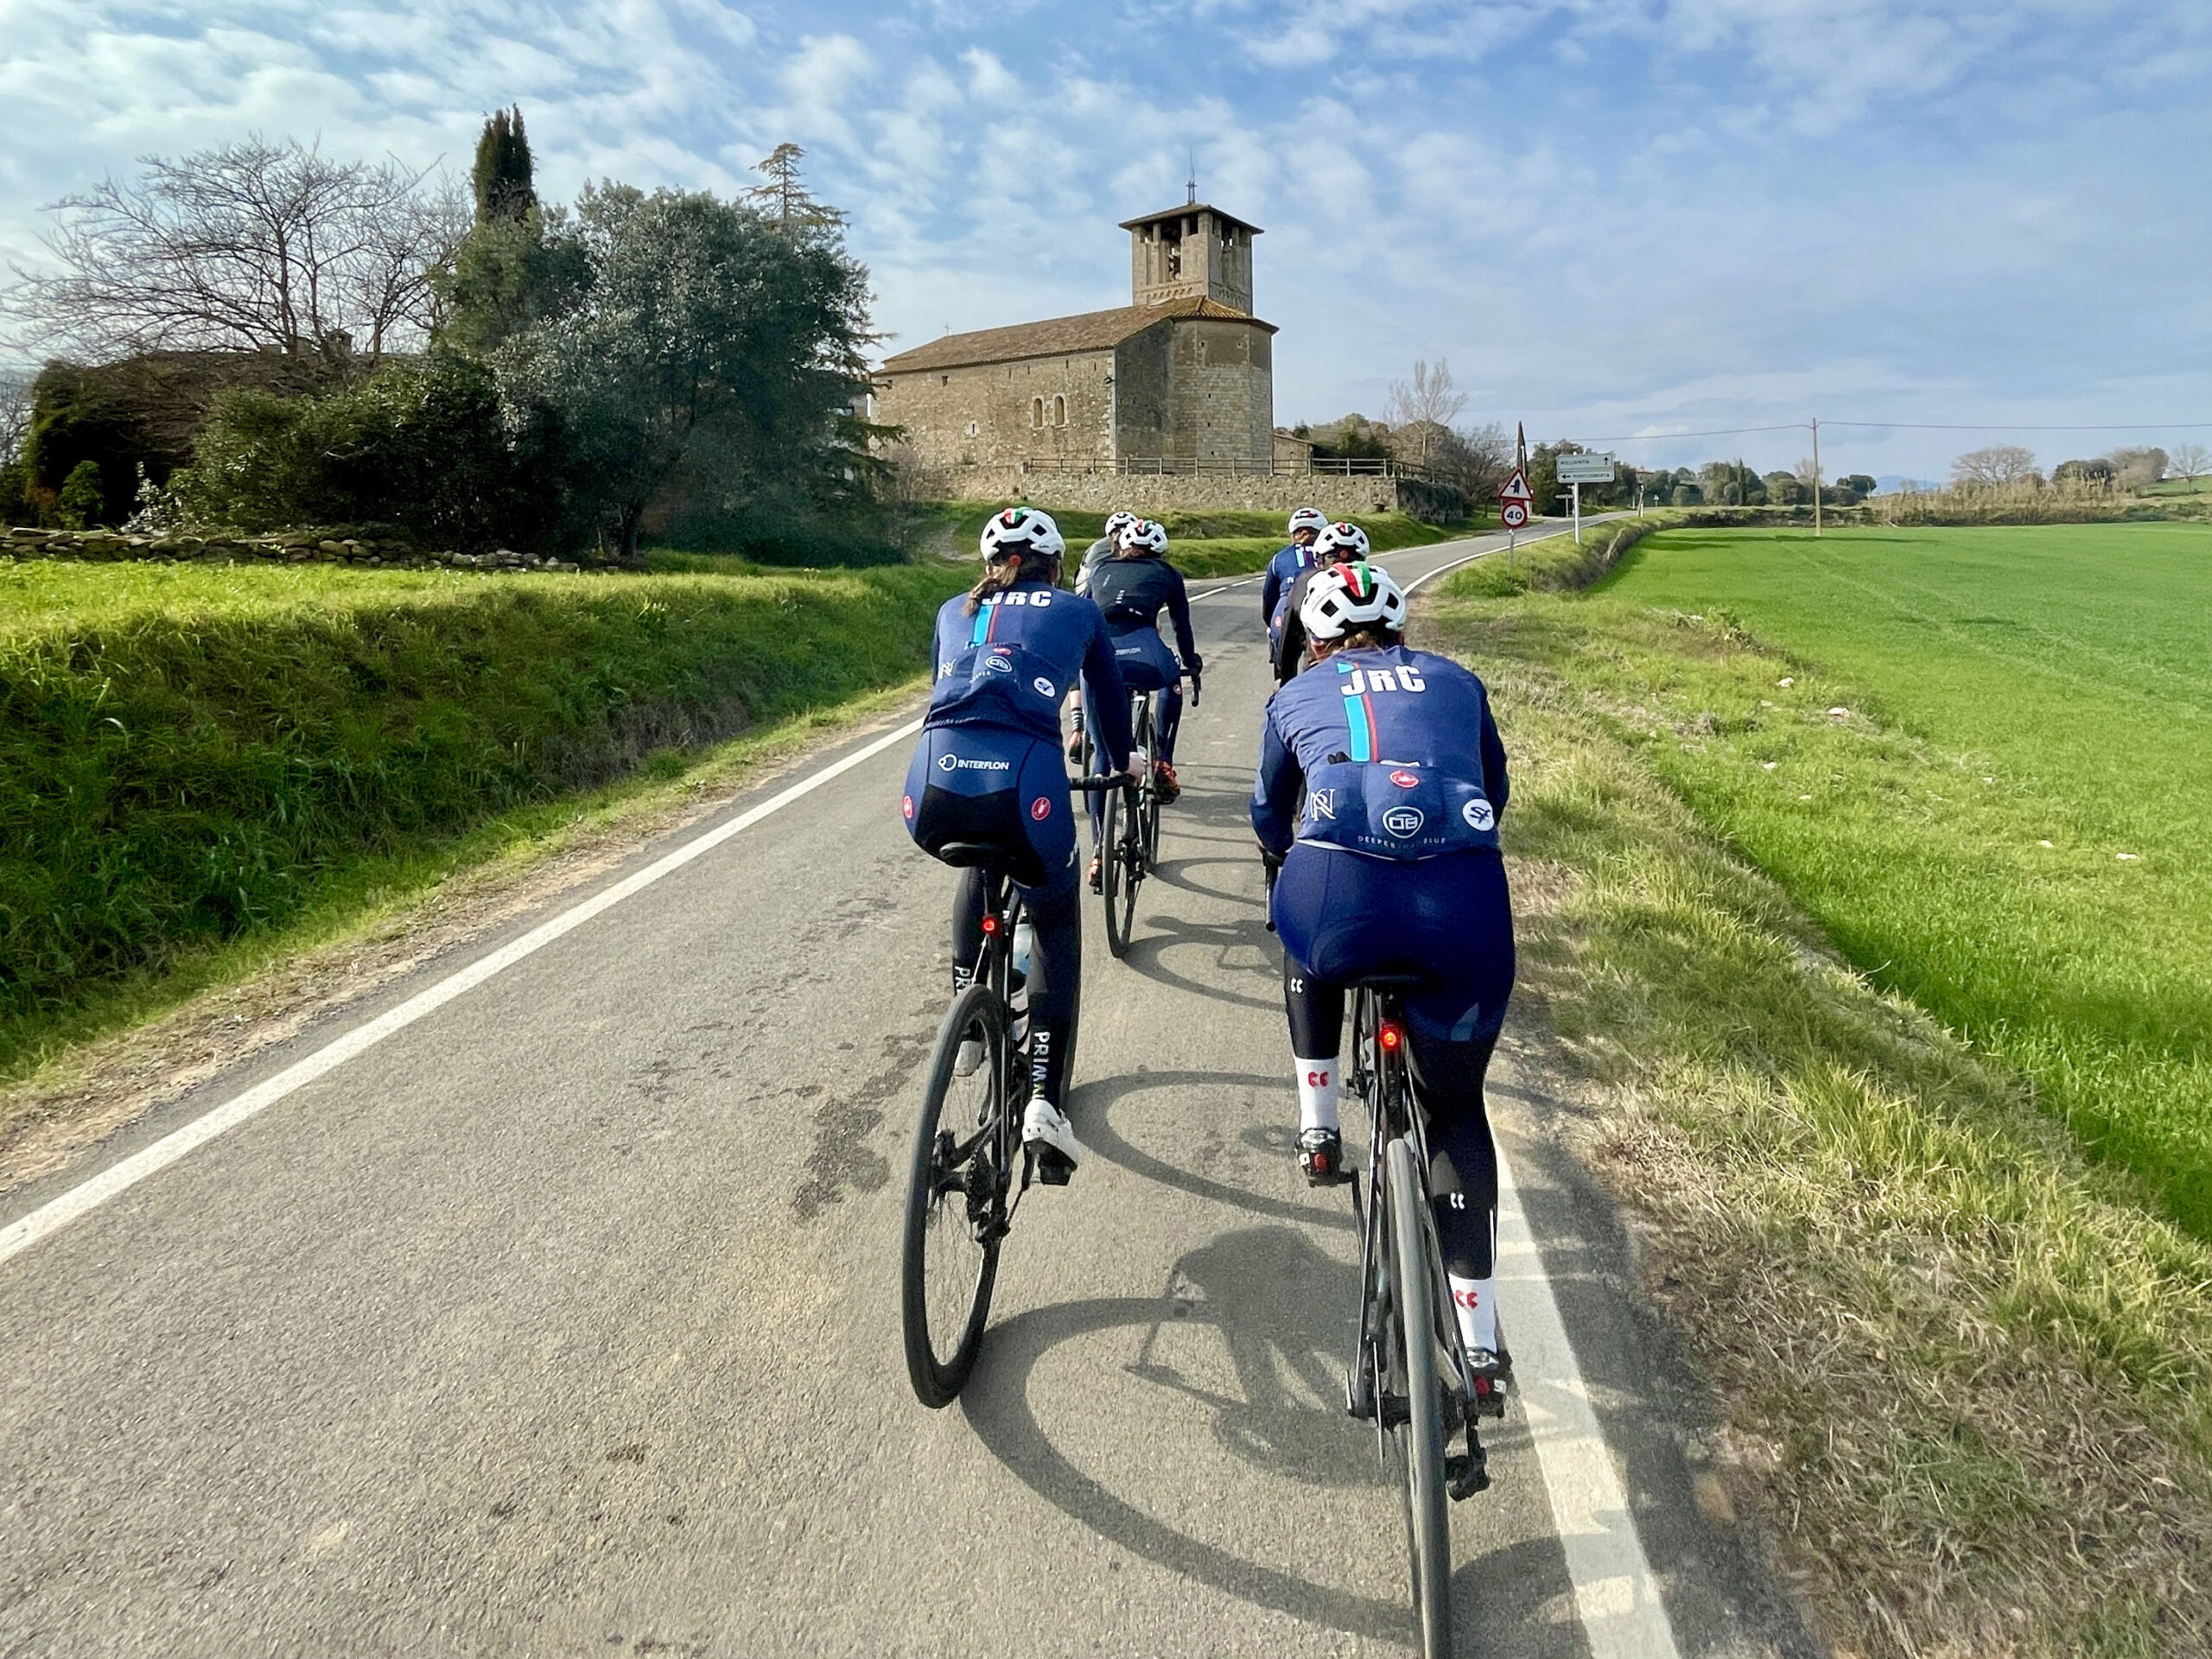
(1321, 1155)
(1466, 1472)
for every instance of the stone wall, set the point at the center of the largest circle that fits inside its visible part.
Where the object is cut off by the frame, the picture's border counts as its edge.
(109, 546)
(1002, 402)
(1222, 392)
(1153, 494)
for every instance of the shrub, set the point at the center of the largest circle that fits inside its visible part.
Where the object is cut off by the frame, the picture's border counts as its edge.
(83, 502)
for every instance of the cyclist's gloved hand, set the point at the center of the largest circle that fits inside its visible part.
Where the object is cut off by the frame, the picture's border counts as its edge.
(1195, 665)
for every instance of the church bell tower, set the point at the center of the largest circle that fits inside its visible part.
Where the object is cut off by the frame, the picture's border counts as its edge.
(1194, 251)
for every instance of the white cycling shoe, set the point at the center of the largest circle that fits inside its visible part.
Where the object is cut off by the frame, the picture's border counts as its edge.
(1046, 1133)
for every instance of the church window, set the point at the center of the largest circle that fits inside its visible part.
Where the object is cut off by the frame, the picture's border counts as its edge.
(1036, 411)
(1060, 411)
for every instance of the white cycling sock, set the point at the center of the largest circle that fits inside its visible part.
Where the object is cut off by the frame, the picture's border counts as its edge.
(1317, 1093)
(1476, 1302)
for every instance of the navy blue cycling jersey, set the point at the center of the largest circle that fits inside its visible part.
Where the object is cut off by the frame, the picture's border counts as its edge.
(1283, 570)
(1010, 662)
(1396, 753)
(1132, 592)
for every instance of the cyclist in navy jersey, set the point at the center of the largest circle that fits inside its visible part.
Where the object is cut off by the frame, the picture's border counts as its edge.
(1338, 544)
(1288, 564)
(987, 769)
(1389, 864)
(1131, 588)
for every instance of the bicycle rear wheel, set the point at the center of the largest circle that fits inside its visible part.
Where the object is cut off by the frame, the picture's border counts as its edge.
(1417, 1443)
(956, 1200)
(1148, 797)
(1119, 870)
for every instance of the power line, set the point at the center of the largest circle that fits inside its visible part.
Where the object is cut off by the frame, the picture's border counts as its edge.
(1906, 426)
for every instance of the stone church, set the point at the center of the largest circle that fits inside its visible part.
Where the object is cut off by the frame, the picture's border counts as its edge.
(1180, 380)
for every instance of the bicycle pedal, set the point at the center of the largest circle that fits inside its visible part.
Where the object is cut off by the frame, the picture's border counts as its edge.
(1359, 1397)
(1053, 1170)
(1466, 1473)
(1397, 1411)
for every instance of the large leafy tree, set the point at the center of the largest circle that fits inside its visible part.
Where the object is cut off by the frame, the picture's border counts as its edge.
(516, 266)
(709, 356)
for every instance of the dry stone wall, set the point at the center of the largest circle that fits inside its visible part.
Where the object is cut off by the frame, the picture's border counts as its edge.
(1153, 494)
(284, 548)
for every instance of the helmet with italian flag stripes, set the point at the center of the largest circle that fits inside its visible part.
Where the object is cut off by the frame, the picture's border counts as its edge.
(1341, 598)
(1021, 531)
(1340, 543)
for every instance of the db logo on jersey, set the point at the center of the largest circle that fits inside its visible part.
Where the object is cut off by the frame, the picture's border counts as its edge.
(1405, 780)
(1404, 821)
(1467, 1299)
(998, 664)
(1041, 808)
(1479, 815)
(906, 805)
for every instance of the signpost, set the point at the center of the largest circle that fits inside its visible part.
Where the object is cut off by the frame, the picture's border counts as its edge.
(1581, 468)
(1515, 495)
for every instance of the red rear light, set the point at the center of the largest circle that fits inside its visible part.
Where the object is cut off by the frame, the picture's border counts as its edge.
(1392, 1036)
(990, 923)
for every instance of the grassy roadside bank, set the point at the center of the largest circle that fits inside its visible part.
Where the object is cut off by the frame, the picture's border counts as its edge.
(1200, 545)
(1964, 1377)
(197, 759)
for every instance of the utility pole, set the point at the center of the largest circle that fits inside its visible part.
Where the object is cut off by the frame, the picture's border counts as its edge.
(1816, 478)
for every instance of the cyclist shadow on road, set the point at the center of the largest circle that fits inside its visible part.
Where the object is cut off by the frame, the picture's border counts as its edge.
(1251, 1331)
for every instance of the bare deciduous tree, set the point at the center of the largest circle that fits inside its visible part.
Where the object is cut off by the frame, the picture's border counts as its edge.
(1424, 407)
(1998, 465)
(14, 413)
(253, 245)
(2189, 461)
(2138, 468)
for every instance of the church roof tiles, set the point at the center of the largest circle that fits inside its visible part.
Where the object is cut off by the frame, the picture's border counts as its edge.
(1089, 331)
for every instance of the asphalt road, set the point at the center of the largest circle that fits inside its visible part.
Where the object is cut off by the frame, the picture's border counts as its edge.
(564, 1319)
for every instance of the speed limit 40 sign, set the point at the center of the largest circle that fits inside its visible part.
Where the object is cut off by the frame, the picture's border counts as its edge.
(1514, 515)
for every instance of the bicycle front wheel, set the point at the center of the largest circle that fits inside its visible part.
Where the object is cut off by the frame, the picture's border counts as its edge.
(1417, 1443)
(956, 1197)
(1117, 878)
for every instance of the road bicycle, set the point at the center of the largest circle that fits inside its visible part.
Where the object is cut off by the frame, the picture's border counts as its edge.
(1409, 1372)
(1129, 840)
(969, 1170)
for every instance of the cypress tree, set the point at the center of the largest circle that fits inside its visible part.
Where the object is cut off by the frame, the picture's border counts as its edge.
(504, 191)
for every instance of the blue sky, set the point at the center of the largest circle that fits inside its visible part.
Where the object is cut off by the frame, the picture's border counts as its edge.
(1613, 217)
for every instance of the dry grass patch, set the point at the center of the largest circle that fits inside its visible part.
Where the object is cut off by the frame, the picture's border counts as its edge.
(1965, 1376)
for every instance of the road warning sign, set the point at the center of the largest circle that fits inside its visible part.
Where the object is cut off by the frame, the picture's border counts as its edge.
(1515, 488)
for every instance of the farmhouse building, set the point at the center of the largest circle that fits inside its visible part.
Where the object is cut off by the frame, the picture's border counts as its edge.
(1180, 379)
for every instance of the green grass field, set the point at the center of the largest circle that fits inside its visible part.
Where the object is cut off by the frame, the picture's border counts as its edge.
(1978, 758)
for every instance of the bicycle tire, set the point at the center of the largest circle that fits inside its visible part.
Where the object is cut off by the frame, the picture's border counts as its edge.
(1148, 798)
(1419, 1441)
(1116, 883)
(955, 1180)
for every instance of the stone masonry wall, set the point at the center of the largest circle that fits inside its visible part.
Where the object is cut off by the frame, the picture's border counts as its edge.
(1000, 400)
(1222, 392)
(1154, 494)
(110, 546)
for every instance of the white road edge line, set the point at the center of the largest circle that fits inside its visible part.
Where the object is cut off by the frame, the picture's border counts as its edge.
(51, 1217)
(1615, 1594)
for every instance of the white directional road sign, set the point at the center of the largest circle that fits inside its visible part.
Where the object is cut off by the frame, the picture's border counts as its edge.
(1585, 469)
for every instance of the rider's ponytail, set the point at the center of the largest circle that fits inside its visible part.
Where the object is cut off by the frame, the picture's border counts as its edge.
(1002, 574)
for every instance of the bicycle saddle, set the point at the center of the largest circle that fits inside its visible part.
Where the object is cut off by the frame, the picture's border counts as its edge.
(965, 855)
(1390, 981)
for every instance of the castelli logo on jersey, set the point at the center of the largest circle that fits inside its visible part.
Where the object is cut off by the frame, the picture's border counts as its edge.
(1041, 808)
(1478, 814)
(1045, 688)
(906, 805)
(1404, 821)
(1405, 780)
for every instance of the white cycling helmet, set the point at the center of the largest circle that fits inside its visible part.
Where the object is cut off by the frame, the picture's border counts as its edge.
(1308, 518)
(1342, 597)
(1021, 530)
(1347, 542)
(1147, 535)
(1118, 521)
